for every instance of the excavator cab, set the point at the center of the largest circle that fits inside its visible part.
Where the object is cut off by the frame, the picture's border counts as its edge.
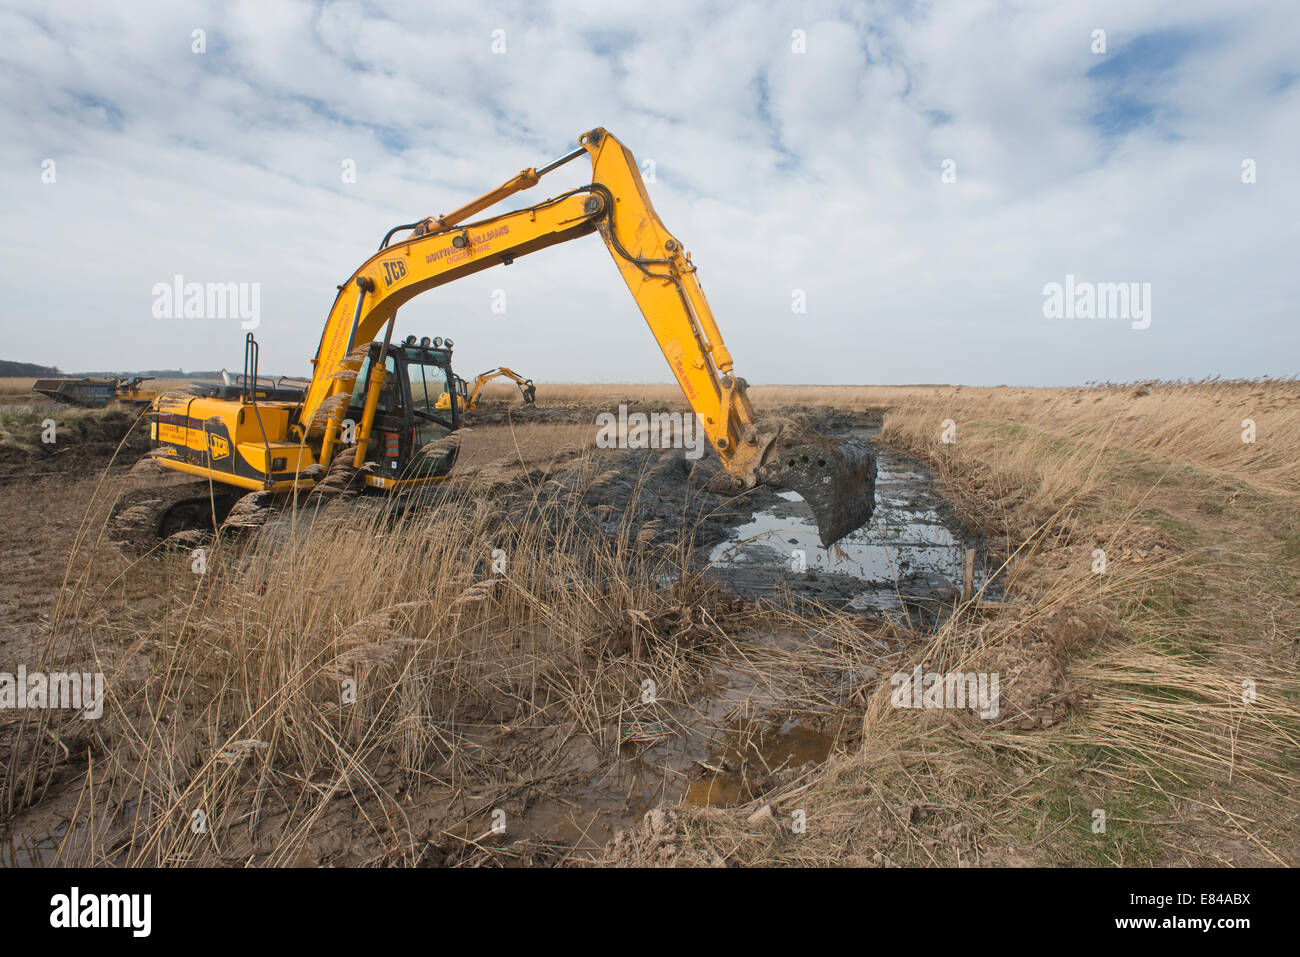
(417, 408)
(462, 396)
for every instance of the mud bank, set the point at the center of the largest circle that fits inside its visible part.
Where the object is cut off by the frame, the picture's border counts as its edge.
(907, 560)
(84, 442)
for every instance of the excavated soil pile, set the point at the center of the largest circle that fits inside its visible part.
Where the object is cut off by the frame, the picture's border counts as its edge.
(82, 445)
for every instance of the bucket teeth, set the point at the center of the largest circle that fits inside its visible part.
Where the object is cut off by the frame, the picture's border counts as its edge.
(836, 478)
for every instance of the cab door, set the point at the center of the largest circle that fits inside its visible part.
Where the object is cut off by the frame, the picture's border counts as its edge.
(429, 383)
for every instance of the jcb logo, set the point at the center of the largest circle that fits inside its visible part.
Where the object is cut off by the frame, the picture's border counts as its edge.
(218, 447)
(394, 270)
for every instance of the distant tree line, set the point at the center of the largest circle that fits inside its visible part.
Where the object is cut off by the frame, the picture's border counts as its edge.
(24, 370)
(30, 370)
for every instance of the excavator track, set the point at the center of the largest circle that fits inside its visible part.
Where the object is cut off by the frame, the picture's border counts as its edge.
(160, 506)
(157, 503)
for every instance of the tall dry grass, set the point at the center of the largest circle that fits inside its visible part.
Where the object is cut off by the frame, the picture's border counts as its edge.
(467, 680)
(474, 689)
(1194, 609)
(15, 385)
(1199, 424)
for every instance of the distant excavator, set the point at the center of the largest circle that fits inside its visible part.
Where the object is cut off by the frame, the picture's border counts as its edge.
(374, 411)
(469, 398)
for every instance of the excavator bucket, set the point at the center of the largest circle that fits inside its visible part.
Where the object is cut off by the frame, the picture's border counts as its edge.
(837, 478)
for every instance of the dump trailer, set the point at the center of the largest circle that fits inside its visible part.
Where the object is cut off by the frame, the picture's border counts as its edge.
(373, 411)
(96, 392)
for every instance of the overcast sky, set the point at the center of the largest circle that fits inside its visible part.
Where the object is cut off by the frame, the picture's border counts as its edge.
(821, 171)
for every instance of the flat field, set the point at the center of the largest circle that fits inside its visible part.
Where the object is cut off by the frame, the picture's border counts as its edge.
(544, 667)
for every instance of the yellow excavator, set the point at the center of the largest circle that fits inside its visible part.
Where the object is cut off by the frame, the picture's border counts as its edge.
(374, 410)
(469, 398)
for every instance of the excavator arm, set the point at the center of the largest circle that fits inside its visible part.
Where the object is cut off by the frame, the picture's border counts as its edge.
(836, 479)
(526, 388)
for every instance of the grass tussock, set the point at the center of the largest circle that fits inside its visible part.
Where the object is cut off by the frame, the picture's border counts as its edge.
(26, 427)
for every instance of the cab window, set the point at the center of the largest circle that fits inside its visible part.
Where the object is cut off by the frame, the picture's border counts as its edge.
(390, 397)
(428, 383)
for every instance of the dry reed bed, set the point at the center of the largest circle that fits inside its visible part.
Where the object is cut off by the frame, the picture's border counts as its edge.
(1194, 423)
(15, 385)
(467, 681)
(1153, 653)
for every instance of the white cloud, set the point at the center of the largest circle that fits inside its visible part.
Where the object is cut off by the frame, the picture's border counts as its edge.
(818, 171)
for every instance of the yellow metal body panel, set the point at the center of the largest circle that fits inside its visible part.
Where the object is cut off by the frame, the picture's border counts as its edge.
(393, 484)
(297, 457)
(238, 481)
(236, 443)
